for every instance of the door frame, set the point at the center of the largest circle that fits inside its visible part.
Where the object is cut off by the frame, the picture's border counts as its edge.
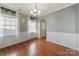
(44, 21)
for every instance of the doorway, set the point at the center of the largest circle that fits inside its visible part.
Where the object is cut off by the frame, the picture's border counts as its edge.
(43, 28)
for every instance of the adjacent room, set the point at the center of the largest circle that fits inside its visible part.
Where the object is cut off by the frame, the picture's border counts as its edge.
(39, 29)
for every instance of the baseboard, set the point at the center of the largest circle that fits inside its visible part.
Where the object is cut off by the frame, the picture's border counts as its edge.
(19, 43)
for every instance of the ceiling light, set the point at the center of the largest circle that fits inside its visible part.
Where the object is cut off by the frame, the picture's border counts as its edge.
(39, 11)
(35, 12)
(31, 12)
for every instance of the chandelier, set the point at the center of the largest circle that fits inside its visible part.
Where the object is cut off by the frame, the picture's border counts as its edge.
(35, 12)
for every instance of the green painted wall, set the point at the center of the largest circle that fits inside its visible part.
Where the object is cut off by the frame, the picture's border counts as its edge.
(23, 22)
(63, 26)
(62, 21)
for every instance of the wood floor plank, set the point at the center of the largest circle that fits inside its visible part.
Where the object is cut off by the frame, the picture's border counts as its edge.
(37, 47)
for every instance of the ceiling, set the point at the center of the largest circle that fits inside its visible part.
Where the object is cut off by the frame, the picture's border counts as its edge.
(45, 8)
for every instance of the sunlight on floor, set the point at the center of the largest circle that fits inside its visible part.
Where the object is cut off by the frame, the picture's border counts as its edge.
(32, 49)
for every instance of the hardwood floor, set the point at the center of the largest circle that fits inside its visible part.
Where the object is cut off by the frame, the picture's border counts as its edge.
(37, 47)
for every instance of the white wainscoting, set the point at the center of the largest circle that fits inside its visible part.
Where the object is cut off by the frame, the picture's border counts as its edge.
(78, 42)
(14, 39)
(64, 39)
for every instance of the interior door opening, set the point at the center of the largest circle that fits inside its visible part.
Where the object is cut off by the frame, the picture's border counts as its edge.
(43, 28)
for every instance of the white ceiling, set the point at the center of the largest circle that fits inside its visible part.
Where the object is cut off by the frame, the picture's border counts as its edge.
(46, 8)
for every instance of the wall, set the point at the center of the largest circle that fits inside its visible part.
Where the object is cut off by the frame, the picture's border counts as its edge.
(61, 27)
(23, 22)
(21, 33)
(77, 26)
(1, 31)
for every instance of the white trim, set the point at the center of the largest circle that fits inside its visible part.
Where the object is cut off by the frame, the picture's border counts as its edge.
(63, 38)
(15, 39)
(1, 4)
(44, 14)
(58, 9)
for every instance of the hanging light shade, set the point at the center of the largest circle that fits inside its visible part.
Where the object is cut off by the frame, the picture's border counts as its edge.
(35, 12)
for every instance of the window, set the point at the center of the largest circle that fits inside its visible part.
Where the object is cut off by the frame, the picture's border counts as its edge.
(32, 26)
(8, 24)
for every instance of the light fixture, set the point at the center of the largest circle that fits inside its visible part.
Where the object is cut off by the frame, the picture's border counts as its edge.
(35, 12)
